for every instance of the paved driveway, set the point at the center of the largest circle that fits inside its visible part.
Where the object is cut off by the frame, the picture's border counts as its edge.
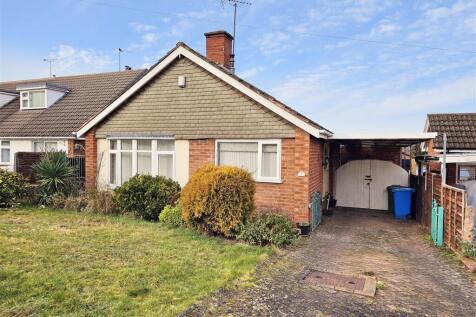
(418, 279)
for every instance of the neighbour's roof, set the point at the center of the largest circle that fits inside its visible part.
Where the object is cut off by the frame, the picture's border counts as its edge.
(86, 96)
(460, 129)
(181, 45)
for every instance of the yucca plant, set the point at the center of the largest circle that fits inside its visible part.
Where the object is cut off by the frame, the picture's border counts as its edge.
(54, 174)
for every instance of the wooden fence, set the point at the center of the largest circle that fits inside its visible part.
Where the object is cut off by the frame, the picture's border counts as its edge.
(458, 218)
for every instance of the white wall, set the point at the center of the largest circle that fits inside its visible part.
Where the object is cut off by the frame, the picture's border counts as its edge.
(181, 161)
(26, 146)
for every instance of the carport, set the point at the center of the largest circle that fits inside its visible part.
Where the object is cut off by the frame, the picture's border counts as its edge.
(362, 166)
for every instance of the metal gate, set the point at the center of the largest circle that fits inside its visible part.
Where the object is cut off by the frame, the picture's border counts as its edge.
(316, 209)
(436, 223)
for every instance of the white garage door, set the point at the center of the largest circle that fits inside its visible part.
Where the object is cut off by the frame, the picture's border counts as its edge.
(363, 183)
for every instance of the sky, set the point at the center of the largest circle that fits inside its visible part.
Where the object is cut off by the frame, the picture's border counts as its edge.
(352, 66)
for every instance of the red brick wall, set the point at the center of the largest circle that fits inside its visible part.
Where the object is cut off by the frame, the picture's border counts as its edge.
(72, 151)
(391, 154)
(91, 159)
(201, 152)
(291, 196)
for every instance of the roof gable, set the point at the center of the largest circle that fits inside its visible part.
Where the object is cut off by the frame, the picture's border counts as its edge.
(247, 89)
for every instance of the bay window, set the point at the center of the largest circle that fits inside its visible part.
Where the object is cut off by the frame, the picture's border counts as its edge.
(261, 158)
(4, 152)
(129, 157)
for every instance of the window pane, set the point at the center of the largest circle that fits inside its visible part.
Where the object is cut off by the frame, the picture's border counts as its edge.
(5, 143)
(126, 166)
(112, 168)
(113, 145)
(38, 146)
(126, 145)
(24, 95)
(144, 145)
(243, 155)
(25, 103)
(144, 162)
(269, 160)
(37, 99)
(467, 173)
(5, 157)
(165, 145)
(51, 146)
(166, 165)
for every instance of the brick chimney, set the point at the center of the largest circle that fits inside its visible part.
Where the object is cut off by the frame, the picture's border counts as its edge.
(219, 47)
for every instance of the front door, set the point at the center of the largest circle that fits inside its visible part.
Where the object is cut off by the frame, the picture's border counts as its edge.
(363, 183)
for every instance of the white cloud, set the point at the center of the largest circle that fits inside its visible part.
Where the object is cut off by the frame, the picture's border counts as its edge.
(142, 27)
(71, 60)
(250, 72)
(148, 35)
(384, 29)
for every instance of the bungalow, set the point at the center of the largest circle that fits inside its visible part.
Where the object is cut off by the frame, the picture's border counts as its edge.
(188, 110)
(460, 131)
(43, 114)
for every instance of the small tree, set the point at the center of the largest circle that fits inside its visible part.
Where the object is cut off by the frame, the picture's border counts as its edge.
(12, 187)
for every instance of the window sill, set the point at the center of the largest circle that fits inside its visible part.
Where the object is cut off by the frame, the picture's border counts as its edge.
(272, 181)
(5, 163)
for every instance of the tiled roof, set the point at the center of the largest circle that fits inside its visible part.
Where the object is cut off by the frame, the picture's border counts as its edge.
(88, 95)
(460, 129)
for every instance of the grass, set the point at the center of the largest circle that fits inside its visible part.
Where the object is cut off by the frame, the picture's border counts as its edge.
(65, 263)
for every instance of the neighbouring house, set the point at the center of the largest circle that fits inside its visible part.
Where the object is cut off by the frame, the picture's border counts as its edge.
(460, 130)
(43, 114)
(189, 110)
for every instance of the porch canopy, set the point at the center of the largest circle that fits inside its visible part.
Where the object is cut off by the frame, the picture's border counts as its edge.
(382, 139)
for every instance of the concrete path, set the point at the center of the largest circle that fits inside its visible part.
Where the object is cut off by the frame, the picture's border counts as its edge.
(417, 278)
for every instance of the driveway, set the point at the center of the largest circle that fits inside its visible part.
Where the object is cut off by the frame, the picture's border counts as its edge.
(417, 278)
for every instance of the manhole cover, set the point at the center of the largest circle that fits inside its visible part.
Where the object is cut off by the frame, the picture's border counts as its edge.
(361, 285)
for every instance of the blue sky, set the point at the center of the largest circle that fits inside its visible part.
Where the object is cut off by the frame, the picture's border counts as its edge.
(353, 66)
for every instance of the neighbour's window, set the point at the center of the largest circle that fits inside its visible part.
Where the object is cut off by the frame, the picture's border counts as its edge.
(45, 146)
(143, 156)
(260, 158)
(467, 172)
(33, 99)
(4, 151)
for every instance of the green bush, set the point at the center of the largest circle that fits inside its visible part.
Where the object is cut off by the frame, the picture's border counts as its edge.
(171, 216)
(145, 196)
(266, 229)
(12, 188)
(468, 249)
(54, 175)
(101, 202)
(217, 199)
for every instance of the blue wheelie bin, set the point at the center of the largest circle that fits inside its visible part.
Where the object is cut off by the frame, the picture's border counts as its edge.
(402, 201)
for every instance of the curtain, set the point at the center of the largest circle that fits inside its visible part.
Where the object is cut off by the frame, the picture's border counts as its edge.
(126, 166)
(5, 157)
(269, 160)
(166, 165)
(112, 168)
(37, 99)
(144, 163)
(239, 154)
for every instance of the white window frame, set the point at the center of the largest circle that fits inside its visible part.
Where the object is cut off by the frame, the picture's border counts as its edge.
(155, 158)
(22, 99)
(259, 178)
(3, 147)
(44, 145)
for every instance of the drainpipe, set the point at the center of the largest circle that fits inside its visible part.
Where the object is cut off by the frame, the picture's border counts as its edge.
(443, 167)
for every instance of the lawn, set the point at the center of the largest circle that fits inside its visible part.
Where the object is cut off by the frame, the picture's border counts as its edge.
(66, 263)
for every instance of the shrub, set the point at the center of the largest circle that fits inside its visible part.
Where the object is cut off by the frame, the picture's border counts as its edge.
(77, 203)
(468, 249)
(145, 196)
(171, 216)
(101, 202)
(12, 188)
(57, 201)
(217, 199)
(266, 229)
(54, 175)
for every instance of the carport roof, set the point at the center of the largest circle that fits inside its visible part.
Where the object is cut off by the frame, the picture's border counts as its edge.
(381, 139)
